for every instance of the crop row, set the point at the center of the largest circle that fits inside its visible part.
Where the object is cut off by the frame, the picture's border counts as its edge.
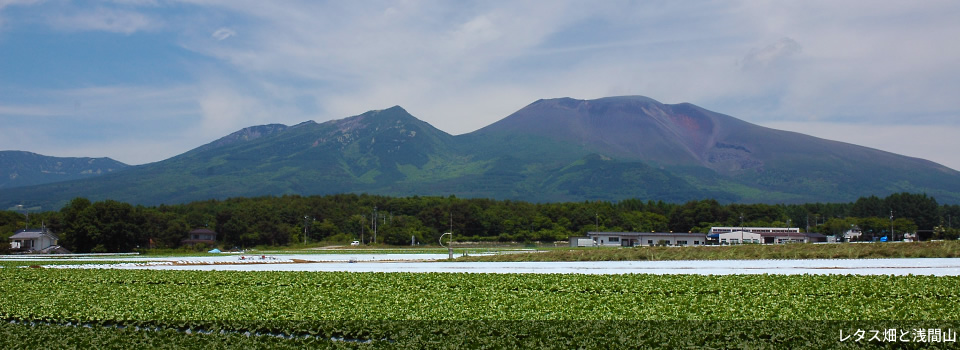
(512, 308)
(54, 294)
(478, 334)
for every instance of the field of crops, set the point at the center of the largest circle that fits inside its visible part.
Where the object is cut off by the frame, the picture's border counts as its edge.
(424, 310)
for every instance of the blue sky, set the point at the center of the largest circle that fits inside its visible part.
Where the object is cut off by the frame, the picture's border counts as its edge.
(142, 80)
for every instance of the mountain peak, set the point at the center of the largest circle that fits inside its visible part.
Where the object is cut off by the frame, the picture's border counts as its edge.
(392, 112)
(571, 103)
(631, 126)
(245, 134)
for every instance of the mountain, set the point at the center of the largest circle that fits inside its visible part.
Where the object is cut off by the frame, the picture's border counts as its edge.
(551, 150)
(19, 169)
(374, 152)
(740, 161)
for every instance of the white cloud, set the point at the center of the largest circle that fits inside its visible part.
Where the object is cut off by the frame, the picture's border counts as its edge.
(26, 111)
(136, 2)
(8, 3)
(770, 55)
(5, 3)
(223, 33)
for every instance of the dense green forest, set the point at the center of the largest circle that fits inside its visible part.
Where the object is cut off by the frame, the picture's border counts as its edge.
(111, 226)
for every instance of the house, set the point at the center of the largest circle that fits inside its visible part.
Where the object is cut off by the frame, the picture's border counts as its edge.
(852, 234)
(30, 240)
(633, 239)
(200, 236)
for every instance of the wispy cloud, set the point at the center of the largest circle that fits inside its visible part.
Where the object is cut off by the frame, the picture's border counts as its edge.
(770, 55)
(104, 19)
(223, 33)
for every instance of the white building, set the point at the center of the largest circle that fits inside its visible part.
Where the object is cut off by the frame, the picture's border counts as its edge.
(763, 235)
(633, 239)
(852, 234)
(724, 229)
(33, 239)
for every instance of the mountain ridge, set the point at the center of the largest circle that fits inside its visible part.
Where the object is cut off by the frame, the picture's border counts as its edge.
(23, 168)
(551, 150)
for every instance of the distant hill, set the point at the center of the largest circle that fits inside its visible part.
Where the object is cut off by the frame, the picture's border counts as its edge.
(19, 168)
(552, 150)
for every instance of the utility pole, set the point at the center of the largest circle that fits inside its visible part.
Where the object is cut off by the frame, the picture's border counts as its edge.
(892, 235)
(374, 224)
(305, 222)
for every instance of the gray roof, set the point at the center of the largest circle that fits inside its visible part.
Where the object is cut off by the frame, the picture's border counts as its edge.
(32, 234)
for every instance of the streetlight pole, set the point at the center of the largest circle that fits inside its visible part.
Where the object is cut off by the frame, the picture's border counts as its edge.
(449, 244)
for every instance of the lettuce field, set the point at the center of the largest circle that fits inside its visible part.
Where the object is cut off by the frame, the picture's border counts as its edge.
(75, 308)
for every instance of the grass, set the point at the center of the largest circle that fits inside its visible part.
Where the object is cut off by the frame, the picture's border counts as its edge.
(940, 249)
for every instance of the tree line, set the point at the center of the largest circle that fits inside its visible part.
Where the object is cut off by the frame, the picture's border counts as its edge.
(111, 226)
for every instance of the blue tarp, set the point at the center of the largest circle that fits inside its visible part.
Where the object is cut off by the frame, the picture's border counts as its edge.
(214, 250)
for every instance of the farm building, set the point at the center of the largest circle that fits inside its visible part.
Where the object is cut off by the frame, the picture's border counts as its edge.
(633, 239)
(727, 229)
(763, 235)
(200, 235)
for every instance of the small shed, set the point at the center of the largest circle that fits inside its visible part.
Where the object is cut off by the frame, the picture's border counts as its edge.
(33, 239)
(200, 235)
